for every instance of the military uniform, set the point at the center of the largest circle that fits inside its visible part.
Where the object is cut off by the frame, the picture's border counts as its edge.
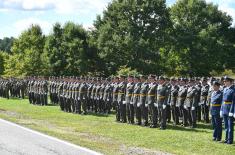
(190, 106)
(173, 100)
(152, 104)
(129, 105)
(227, 111)
(121, 101)
(216, 101)
(161, 103)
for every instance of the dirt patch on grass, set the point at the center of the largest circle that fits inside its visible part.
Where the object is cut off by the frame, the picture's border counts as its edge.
(140, 151)
(10, 113)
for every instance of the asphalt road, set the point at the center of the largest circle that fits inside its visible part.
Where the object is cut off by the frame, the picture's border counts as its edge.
(17, 140)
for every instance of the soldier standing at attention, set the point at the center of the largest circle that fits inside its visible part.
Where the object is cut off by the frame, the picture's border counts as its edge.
(162, 102)
(134, 99)
(151, 101)
(173, 100)
(190, 104)
(142, 109)
(121, 99)
(107, 96)
(181, 98)
(216, 101)
(82, 94)
(227, 109)
(198, 107)
(203, 101)
(129, 93)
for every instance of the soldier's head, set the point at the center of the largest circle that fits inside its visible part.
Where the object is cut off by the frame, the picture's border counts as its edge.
(161, 80)
(98, 80)
(204, 80)
(191, 81)
(151, 78)
(228, 81)
(143, 78)
(167, 80)
(130, 78)
(122, 78)
(182, 81)
(116, 79)
(136, 79)
(216, 85)
(173, 81)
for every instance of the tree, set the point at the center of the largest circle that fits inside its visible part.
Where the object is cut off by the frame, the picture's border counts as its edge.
(26, 55)
(69, 51)
(130, 33)
(199, 38)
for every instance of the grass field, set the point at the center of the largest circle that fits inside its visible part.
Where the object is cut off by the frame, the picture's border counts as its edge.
(103, 134)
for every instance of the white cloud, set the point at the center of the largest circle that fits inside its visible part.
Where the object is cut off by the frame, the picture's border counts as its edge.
(24, 24)
(60, 6)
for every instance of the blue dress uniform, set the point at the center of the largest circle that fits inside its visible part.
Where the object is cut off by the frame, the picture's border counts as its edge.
(227, 112)
(216, 101)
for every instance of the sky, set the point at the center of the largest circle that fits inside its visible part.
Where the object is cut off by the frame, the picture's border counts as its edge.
(18, 15)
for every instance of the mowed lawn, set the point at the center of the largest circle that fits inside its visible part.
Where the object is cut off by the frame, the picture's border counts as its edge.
(103, 134)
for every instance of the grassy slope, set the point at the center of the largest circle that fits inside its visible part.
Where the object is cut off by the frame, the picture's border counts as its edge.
(103, 134)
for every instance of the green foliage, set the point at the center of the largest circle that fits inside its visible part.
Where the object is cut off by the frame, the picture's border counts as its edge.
(6, 44)
(130, 33)
(123, 70)
(69, 51)
(199, 37)
(26, 53)
(2, 62)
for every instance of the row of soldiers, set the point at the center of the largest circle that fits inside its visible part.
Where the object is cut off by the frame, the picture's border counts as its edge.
(13, 87)
(38, 91)
(81, 95)
(149, 101)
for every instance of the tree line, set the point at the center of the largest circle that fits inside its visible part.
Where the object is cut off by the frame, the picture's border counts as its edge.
(191, 37)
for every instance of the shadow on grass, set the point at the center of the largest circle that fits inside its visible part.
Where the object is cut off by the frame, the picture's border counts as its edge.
(180, 128)
(50, 105)
(98, 114)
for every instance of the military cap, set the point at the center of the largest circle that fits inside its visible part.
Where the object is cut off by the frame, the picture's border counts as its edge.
(161, 78)
(151, 76)
(227, 78)
(143, 77)
(216, 83)
(191, 80)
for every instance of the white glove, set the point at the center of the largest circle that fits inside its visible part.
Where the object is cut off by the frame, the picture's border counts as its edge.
(78, 98)
(138, 104)
(146, 105)
(234, 115)
(193, 108)
(155, 105)
(185, 107)
(84, 98)
(124, 102)
(230, 114)
(107, 99)
(131, 102)
(221, 114)
(164, 106)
